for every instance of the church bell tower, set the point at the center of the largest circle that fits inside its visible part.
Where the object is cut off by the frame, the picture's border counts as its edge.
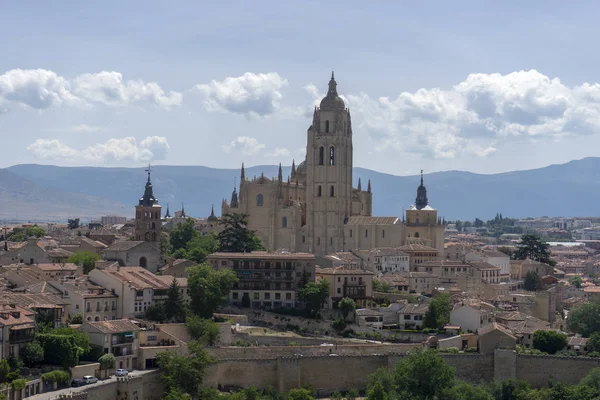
(329, 173)
(148, 216)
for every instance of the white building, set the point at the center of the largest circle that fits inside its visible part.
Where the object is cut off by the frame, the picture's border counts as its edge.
(495, 258)
(471, 315)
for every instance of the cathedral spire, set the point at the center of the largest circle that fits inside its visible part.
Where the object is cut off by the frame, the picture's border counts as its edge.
(369, 187)
(168, 213)
(148, 198)
(182, 211)
(243, 173)
(234, 197)
(332, 101)
(293, 167)
(359, 185)
(212, 216)
(421, 200)
(280, 174)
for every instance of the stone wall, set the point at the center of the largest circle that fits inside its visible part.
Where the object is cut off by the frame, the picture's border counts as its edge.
(141, 387)
(539, 370)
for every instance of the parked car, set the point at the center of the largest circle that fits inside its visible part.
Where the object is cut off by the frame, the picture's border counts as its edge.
(121, 372)
(88, 379)
(77, 382)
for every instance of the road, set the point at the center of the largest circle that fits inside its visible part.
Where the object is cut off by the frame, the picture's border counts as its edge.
(53, 395)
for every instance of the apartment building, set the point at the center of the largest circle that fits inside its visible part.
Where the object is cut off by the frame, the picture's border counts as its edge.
(345, 282)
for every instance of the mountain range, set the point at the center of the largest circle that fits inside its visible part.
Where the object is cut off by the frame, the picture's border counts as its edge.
(43, 192)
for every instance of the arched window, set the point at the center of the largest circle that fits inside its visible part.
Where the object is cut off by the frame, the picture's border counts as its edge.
(331, 156)
(284, 222)
(147, 236)
(153, 225)
(327, 126)
(97, 319)
(259, 200)
(143, 262)
(331, 191)
(319, 191)
(321, 155)
(416, 234)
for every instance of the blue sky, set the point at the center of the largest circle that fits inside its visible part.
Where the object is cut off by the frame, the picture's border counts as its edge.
(473, 85)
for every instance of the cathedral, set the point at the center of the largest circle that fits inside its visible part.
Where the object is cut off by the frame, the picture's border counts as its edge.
(317, 209)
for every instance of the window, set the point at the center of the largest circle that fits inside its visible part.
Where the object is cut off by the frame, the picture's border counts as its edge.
(321, 155)
(284, 222)
(366, 233)
(327, 126)
(331, 241)
(259, 200)
(318, 241)
(383, 233)
(277, 296)
(235, 295)
(339, 291)
(303, 239)
(256, 296)
(332, 191)
(288, 296)
(417, 233)
(350, 232)
(267, 296)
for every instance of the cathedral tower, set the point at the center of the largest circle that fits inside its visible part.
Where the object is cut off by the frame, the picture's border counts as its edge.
(329, 173)
(147, 216)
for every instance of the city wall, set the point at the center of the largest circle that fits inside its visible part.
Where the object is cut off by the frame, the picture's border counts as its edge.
(328, 373)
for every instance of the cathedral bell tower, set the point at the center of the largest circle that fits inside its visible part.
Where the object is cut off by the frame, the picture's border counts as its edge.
(147, 216)
(329, 173)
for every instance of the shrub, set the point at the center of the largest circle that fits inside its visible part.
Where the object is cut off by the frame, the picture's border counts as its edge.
(57, 376)
(19, 384)
(339, 324)
(450, 350)
(352, 394)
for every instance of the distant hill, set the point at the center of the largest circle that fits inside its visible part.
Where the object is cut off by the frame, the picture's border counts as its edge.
(21, 199)
(571, 189)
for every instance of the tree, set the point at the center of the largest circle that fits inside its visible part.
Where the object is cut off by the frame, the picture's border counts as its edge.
(32, 353)
(532, 247)
(156, 312)
(438, 313)
(478, 223)
(576, 281)
(182, 234)
(592, 379)
(107, 361)
(85, 259)
(73, 223)
(466, 391)
(184, 374)
(207, 288)
(549, 341)
(203, 330)
(4, 370)
(585, 319)
(593, 343)
(423, 374)
(315, 294)
(235, 236)
(532, 281)
(459, 225)
(382, 287)
(174, 304)
(76, 319)
(347, 305)
(22, 234)
(300, 394)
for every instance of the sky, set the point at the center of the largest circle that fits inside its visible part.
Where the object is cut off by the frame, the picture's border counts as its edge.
(480, 86)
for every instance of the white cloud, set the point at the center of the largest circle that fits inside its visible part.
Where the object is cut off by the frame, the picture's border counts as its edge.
(114, 150)
(41, 89)
(279, 152)
(478, 113)
(83, 128)
(244, 144)
(250, 94)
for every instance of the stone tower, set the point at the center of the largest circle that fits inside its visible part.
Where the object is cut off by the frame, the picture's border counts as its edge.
(329, 173)
(147, 216)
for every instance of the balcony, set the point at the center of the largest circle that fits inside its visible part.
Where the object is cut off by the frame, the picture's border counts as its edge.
(355, 291)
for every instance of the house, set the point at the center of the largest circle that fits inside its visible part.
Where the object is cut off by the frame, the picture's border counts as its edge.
(47, 307)
(384, 260)
(136, 288)
(495, 258)
(471, 314)
(577, 344)
(178, 268)
(411, 315)
(395, 282)
(522, 326)
(342, 258)
(420, 282)
(343, 282)
(30, 252)
(419, 253)
(133, 252)
(57, 271)
(591, 292)
(485, 271)
(119, 337)
(520, 268)
(266, 280)
(93, 302)
(494, 336)
(366, 317)
(17, 328)
(91, 246)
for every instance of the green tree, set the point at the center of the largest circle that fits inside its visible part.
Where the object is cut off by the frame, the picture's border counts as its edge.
(4, 370)
(315, 294)
(32, 353)
(22, 234)
(382, 287)
(107, 362)
(534, 248)
(73, 223)
(76, 319)
(184, 374)
(81, 339)
(235, 236)
(459, 225)
(593, 343)
(60, 349)
(200, 247)
(585, 319)
(532, 281)
(438, 313)
(549, 341)
(423, 374)
(592, 379)
(576, 281)
(347, 305)
(174, 304)
(466, 391)
(156, 312)
(182, 234)
(203, 330)
(84, 259)
(207, 288)
(300, 394)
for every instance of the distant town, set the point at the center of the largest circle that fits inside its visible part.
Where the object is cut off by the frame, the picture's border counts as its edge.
(294, 288)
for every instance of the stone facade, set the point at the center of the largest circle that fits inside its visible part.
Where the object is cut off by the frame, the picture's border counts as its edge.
(317, 209)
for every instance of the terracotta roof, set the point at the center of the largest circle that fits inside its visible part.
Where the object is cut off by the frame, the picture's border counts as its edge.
(140, 278)
(417, 247)
(592, 289)
(577, 341)
(484, 266)
(263, 255)
(10, 316)
(414, 309)
(114, 326)
(124, 245)
(388, 251)
(57, 267)
(94, 243)
(58, 252)
(362, 220)
(341, 271)
(494, 327)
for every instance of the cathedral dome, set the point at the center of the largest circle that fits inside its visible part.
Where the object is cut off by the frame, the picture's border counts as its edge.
(332, 102)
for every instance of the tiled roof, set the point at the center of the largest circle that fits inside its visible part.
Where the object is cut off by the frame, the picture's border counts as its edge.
(343, 256)
(413, 274)
(58, 252)
(367, 312)
(414, 309)
(484, 266)
(362, 220)
(57, 267)
(124, 245)
(417, 247)
(94, 243)
(577, 341)
(263, 255)
(494, 327)
(114, 326)
(10, 316)
(342, 271)
(140, 278)
(388, 251)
